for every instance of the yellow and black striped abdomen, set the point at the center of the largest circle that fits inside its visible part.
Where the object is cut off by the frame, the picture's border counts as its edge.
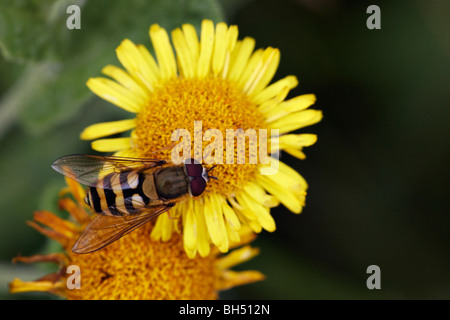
(119, 194)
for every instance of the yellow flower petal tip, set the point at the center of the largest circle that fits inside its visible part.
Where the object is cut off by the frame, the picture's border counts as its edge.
(19, 286)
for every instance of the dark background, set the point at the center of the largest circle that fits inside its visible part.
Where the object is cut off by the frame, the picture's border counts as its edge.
(378, 175)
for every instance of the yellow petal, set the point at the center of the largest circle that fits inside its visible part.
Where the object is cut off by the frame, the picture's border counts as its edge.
(233, 221)
(259, 195)
(274, 89)
(230, 216)
(185, 60)
(287, 197)
(104, 129)
(293, 174)
(233, 235)
(115, 93)
(127, 81)
(245, 205)
(136, 64)
(232, 279)
(150, 61)
(261, 213)
(127, 153)
(265, 219)
(296, 120)
(156, 233)
(231, 40)
(294, 143)
(163, 50)
(297, 140)
(234, 204)
(18, 285)
(285, 108)
(232, 36)
(190, 252)
(295, 153)
(255, 225)
(246, 236)
(220, 46)
(264, 73)
(250, 68)
(206, 48)
(163, 228)
(240, 57)
(203, 243)
(291, 178)
(113, 144)
(236, 257)
(193, 45)
(167, 226)
(215, 223)
(190, 229)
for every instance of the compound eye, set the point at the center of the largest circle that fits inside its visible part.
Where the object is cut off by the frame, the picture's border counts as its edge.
(193, 168)
(198, 185)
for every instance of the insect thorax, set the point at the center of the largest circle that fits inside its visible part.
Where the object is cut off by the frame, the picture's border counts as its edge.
(171, 182)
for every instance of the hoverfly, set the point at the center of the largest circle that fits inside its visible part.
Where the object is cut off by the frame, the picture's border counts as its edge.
(128, 192)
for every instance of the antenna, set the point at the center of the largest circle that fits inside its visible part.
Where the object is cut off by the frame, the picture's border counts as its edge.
(210, 169)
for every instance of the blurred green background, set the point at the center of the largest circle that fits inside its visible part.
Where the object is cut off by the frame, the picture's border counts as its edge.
(378, 174)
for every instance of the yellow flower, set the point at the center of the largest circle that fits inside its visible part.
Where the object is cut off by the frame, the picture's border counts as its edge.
(223, 82)
(133, 267)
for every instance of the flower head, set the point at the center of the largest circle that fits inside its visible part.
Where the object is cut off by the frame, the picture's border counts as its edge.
(133, 267)
(224, 83)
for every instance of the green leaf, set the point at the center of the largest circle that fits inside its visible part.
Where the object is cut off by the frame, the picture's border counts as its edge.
(62, 60)
(28, 28)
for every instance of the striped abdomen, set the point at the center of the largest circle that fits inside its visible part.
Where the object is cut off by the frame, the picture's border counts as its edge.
(128, 192)
(121, 193)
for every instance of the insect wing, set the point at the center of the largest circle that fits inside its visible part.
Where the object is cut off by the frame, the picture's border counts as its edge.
(104, 230)
(88, 169)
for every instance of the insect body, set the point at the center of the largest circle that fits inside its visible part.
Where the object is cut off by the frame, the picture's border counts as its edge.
(128, 192)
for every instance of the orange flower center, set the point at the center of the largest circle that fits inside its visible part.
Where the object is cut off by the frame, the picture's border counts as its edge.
(201, 104)
(135, 267)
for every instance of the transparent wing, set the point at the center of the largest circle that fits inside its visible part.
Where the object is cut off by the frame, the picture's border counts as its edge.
(87, 169)
(104, 229)
(131, 207)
